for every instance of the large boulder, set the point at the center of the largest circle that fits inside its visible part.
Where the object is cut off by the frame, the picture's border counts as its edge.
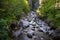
(23, 23)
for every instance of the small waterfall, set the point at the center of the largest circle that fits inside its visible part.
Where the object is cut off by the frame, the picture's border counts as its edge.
(33, 4)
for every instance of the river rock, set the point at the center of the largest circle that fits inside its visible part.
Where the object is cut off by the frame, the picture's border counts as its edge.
(25, 23)
(30, 33)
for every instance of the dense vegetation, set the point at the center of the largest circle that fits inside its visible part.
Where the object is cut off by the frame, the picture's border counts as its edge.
(10, 10)
(50, 10)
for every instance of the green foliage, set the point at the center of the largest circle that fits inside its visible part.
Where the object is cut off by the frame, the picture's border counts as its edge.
(48, 9)
(47, 5)
(3, 30)
(11, 10)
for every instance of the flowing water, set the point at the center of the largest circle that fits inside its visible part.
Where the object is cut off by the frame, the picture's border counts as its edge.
(33, 28)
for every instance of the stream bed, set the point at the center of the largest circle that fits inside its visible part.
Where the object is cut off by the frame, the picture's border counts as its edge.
(33, 28)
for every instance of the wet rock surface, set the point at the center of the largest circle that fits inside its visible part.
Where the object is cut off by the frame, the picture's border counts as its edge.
(33, 28)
